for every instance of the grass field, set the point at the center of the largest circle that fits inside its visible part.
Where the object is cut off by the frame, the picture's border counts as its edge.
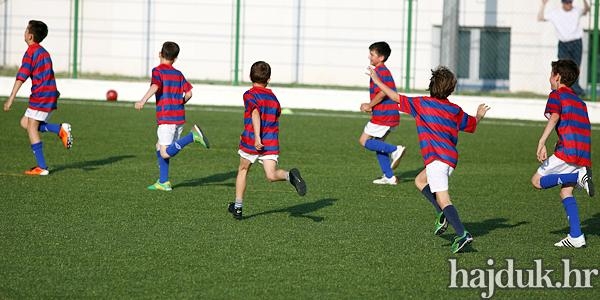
(91, 229)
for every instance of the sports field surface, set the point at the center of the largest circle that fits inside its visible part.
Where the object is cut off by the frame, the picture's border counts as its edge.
(91, 229)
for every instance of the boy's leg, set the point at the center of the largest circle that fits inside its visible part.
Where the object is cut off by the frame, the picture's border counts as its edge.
(441, 223)
(163, 183)
(293, 176)
(36, 147)
(555, 171)
(575, 238)
(195, 135)
(373, 139)
(235, 208)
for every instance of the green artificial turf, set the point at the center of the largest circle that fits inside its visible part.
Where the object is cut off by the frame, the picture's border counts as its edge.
(91, 229)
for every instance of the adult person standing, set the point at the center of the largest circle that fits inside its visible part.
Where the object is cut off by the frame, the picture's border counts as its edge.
(568, 30)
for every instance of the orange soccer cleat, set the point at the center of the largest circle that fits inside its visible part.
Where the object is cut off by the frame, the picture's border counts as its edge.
(37, 171)
(65, 135)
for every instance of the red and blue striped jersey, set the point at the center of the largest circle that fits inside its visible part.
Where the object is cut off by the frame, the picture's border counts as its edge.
(169, 97)
(574, 144)
(263, 100)
(38, 65)
(385, 112)
(438, 123)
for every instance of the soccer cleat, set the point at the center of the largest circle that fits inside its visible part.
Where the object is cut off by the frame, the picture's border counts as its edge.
(297, 181)
(37, 171)
(236, 212)
(441, 224)
(385, 180)
(65, 135)
(200, 137)
(571, 242)
(157, 186)
(461, 241)
(584, 179)
(397, 156)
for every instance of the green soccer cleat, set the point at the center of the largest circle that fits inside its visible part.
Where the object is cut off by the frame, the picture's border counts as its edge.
(441, 224)
(200, 137)
(461, 241)
(157, 186)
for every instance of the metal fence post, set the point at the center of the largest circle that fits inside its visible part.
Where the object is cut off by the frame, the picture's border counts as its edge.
(75, 38)
(595, 54)
(236, 67)
(408, 46)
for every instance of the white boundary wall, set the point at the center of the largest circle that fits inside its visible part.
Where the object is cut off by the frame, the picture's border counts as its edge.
(340, 100)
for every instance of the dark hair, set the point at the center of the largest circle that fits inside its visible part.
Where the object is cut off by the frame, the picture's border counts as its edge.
(567, 69)
(169, 50)
(381, 48)
(39, 30)
(442, 83)
(260, 72)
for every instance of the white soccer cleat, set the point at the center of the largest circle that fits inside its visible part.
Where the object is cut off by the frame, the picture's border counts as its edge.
(397, 156)
(584, 180)
(385, 180)
(571, 242)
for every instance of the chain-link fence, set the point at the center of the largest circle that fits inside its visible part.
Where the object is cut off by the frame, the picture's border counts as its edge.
(501, 44)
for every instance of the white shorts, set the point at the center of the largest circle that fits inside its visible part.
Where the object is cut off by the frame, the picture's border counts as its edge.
(168, 133)
(377, 131)
(437, 175)
(41, 116)
(555, 165)
(253, 157)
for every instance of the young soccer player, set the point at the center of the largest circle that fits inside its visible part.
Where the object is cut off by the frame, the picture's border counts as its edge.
(43, 100)
(172, 92)
(571, 164)
(438, 123)
(384, 116)
(260, 138)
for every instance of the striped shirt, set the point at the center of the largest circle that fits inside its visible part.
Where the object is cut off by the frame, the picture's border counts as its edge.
(438, 123)
(574, 144)
(38, 65)
(263, 100)
(169, 97)
(385, 112)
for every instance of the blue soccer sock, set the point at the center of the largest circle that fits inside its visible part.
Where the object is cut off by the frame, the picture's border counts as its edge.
(384, 163)
(45, 127)
(553, 180)
(174, 148)
(379, 146)
(451, 215)
(570, 206)
(38, 152)
(163, 168)
(431, 197)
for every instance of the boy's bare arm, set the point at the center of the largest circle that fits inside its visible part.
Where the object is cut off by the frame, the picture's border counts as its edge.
(13, 94)
(540, 15)
(151, 91)
(481, 111)
(541, 152)
(256, 125)
(384, 88)
(376, 100)
(187, 96)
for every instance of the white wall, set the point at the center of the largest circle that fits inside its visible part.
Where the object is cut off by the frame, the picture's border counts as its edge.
(334, 37)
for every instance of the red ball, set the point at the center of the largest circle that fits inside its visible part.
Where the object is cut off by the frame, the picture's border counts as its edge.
(111, 95)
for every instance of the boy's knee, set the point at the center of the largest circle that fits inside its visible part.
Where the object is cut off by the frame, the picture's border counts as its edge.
(535, 181)
(566, 193)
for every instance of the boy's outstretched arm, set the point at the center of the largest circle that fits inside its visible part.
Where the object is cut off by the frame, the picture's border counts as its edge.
(384, 88)
(13, 94)
(151, 91)
(542, 154)
(256, 125)
(481, 111)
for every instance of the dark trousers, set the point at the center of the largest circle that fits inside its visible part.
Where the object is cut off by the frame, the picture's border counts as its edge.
(572, 50)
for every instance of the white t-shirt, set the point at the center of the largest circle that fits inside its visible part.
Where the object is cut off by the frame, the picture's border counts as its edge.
(566, 23)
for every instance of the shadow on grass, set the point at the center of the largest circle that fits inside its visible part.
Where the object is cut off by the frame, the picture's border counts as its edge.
(92, 165)
(301, 210)
(590, 226)
(482, 228)
(409, 175)
(219, 177)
